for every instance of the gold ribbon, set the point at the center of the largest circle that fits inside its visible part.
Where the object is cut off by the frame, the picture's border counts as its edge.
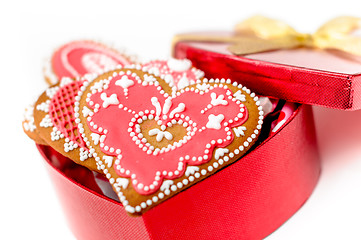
(261, 34)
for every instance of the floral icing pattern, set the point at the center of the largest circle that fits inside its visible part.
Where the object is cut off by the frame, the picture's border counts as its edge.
(120, 108)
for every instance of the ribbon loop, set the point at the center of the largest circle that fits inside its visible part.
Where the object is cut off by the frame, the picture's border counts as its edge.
(261, 34)
(266, 28)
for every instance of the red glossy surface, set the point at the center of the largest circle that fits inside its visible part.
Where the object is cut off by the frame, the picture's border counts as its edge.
(293, 83)
(247, 200)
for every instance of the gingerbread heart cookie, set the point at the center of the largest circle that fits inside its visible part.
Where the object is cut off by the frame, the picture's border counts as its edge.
(178, 73)
(54, 119)
(152, 142)
(29, 126)
(78, 58)
(73, 59)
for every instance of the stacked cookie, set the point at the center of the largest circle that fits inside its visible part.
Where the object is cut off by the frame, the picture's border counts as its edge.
(152, 129)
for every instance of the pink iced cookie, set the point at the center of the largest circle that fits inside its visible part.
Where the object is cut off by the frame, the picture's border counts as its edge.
(77, 58)
(152, 142)
(178, 73)
(286, 112)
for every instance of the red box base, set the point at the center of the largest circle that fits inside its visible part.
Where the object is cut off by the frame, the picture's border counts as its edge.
(247, 200)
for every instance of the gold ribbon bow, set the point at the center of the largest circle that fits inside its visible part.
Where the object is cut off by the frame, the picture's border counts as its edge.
(261, 34)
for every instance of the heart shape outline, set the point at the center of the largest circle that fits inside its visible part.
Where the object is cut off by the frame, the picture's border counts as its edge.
(241, 148)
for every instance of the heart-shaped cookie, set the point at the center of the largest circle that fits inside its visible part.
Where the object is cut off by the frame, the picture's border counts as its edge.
(61, 133)
(152, 142)
(54, 120)
(74, 60)
(29, 126)
(78, 58)
(178, 73)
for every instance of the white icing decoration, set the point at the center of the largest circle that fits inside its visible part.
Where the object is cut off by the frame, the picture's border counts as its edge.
(122, 182)
(129, 209)
(28, 121)
(83, 154)
(70, 146)
(167, 105)
(166, 185)
(124, 82)
(86, 111)
(97, 86)
(203, 87)
(90, 77)
(108, 160)
(238, 95)
(96, 138)
(191, 170)
(154, 70)
(199, 73)
(56, 134)
(220, 152)
(160, 134)
(65, 81)
(44, 106)
(239, 131)
(112, 100)
(29, 126)
(218, 100)
(183, 82)
(46, 122)
(180, 108)
(149, 78)
(179, 65)
(50, 92)
(168, 78)
(215, 121)
(157, 106)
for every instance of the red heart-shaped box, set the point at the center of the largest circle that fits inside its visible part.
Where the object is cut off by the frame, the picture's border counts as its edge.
(246, 200)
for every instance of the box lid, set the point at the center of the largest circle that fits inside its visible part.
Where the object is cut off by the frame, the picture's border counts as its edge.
(273, 59)
(317, 77)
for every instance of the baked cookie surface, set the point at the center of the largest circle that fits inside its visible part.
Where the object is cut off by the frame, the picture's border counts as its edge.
(55, 121)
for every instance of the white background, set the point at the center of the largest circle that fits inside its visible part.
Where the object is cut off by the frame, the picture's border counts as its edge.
(31, 30)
